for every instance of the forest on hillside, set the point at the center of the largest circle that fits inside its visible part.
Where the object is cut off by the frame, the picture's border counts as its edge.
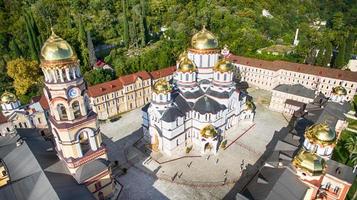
(134, 35)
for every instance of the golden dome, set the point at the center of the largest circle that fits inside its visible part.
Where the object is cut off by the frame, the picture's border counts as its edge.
(223, 66)
(208, 131)
(56, 49)
(186, 65)
(182, 56)
(320, 133)
(162, 86)
(204, 40)
(339, 90)
(8, 97)
(309, 162)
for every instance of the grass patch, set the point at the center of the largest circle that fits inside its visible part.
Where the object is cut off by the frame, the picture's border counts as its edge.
(352, 190)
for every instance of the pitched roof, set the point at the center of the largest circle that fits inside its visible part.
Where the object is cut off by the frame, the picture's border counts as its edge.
(206, 104)
(296, 67)
(296, 89)
(162, 72)
(105, 88)
(131, 78)
(340, 171)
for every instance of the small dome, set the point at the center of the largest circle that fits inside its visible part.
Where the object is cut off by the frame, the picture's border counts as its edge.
(162, 86)
(309, 162)
(223, 66)
(339, 90)
(186, 65)
(320, 133)
(208, 132)
(204, 40)
(8, 97)
(182, 56)
(56, 49)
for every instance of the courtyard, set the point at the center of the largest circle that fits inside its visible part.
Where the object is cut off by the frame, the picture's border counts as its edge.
(192, 175)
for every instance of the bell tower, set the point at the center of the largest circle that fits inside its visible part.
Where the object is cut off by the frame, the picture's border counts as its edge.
(73, 123)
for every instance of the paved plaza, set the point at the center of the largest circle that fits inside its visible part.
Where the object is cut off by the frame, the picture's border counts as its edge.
(190, 176)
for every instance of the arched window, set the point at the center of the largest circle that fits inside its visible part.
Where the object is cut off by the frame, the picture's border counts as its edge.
(76, 109)
(84, 142)
(218, 76)
(225, 77)
(64, 75)
(186, 77)
(62, 112)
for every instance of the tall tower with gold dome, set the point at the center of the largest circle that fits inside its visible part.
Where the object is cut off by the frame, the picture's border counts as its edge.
(73, 123)
(204, 53)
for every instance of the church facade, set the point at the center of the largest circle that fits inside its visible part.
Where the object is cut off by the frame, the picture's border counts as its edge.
(201, 103)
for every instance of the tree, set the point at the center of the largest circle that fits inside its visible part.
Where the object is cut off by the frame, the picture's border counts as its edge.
(340, 59)
(92, 58)
(26, 74)
(99, 76)
(351, 146)
(349, 45)
(327, 56)
(143, 24)
(33, 35)
(126, 24)
(83, 47)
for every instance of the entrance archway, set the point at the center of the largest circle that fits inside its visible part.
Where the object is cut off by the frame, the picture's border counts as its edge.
(208, 147)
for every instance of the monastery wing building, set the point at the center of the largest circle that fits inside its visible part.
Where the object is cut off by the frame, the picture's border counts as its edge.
(201, 103)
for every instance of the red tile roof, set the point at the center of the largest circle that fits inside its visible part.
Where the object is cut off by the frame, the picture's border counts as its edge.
(117, 84)
(3, 119)
(163, 72)
(42, 100)
(105, 88)
(131, 78)
(296, 67)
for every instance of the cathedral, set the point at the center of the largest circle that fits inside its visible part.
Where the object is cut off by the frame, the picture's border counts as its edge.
(73, 123)
(201, 103)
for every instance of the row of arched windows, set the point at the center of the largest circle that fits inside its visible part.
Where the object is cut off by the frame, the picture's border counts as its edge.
(62, 111)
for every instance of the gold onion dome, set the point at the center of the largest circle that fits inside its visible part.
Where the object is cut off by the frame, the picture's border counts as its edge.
(339, 90)
(182, 56)
(321, 133)
(208, 132)
(162, 86)
(204, 40)
(186, 65)
(223, 66)
(8, 97)
(309, 162)
(57, 49)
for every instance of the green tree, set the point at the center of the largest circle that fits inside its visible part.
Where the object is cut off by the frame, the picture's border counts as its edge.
(33, 35)
(92, 57)
(340, 58)
(349, 45)
(26, 74)
(99, 76)
(83, 47)
(351, 147)
(143, 23)
(126, 24)
(327, 56)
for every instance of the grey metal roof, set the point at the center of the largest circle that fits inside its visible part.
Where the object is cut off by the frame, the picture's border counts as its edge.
(91, 169)
(27, 179)
(171, 114)
(331, 112)
(182, 104)
(206, 104)
(340, 171)
(275, 184)
(296, 89)
(222, 95)
(193, 95)
(54, 170)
